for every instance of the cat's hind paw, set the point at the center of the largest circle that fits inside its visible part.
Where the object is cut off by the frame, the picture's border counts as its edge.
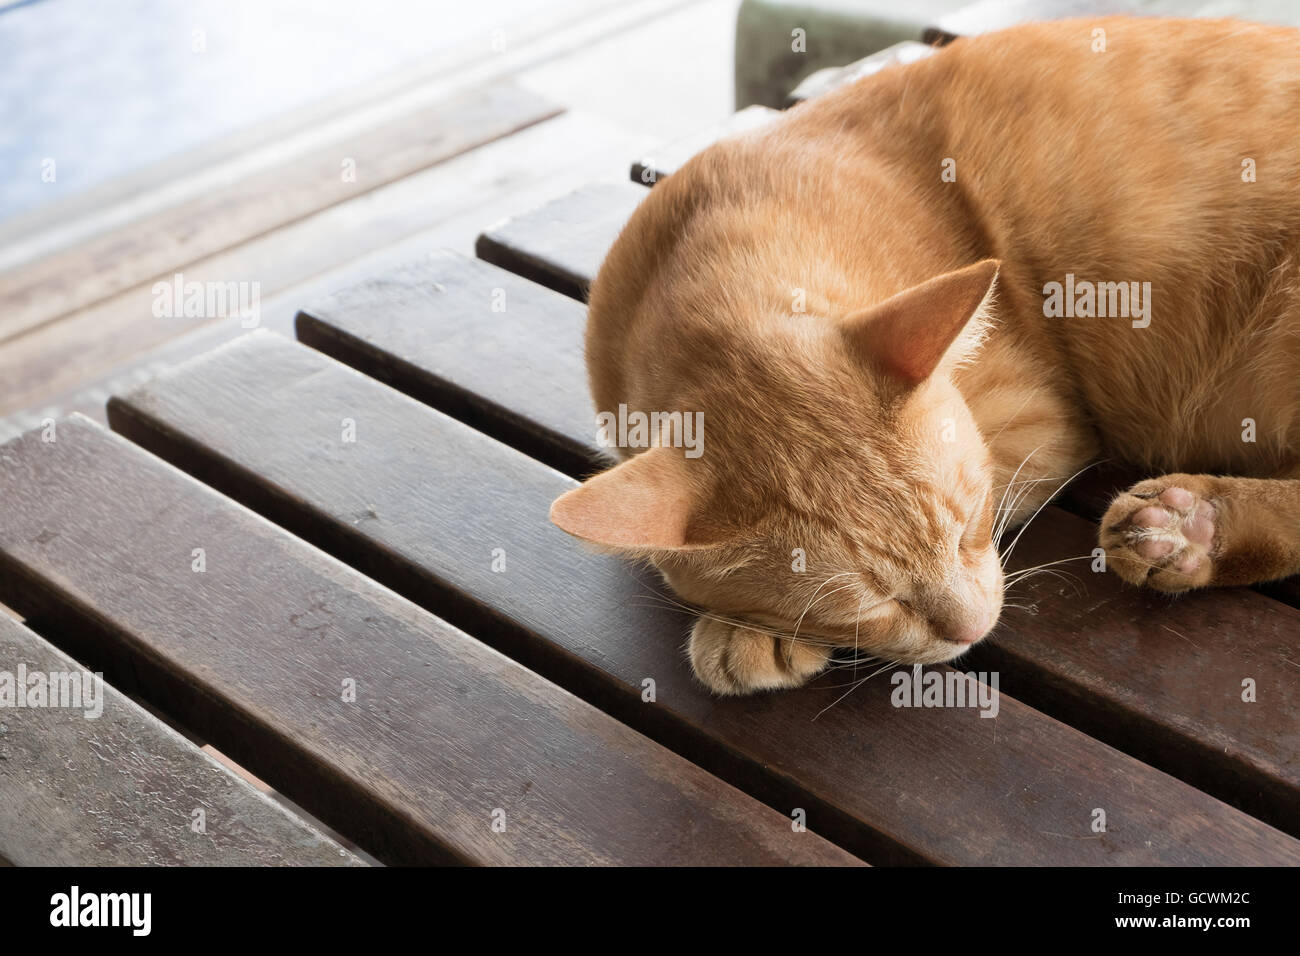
(741, 660)
(1161, 533)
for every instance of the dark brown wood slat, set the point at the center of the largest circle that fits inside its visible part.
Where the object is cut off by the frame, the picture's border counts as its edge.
(1241, 753)
(449, 333)
(561, 244)
(123, 789)
(1090, 493)
(832, 78)
(422, 502)
(990, 15)
(650, 169)
(1161, 679)
(97, 541)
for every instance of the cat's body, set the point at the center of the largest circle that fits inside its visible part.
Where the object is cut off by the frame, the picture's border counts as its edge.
(871, 437)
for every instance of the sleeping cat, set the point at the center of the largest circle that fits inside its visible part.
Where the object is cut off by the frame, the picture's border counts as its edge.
(911, 309)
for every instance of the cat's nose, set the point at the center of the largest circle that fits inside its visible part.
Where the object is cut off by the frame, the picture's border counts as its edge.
(971, 629)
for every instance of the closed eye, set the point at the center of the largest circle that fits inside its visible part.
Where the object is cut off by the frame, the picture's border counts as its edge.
(878, 609)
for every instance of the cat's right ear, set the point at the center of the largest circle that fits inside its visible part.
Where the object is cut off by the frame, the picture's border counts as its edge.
(645, 504)
(908, 335)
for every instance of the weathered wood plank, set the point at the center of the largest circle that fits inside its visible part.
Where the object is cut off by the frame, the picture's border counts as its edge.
(121, 788)
(449, 333)
(562, 243)
(1163, 680)
(823, 81)
(426, 504)
(1074, 659)
(650, 169)
(448, 203)
(163, 243)
(257, 650)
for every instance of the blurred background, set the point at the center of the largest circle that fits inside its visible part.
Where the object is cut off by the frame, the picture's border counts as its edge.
(296, 147)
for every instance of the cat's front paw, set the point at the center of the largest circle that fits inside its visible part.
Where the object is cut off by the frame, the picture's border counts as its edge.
(741, 660)
(1161, 533)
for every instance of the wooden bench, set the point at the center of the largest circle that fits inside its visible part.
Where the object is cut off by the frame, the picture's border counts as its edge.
(1127, 666)
(339, 570)
(555, 244)
(105, 783)
(402, 732)
(595, 626)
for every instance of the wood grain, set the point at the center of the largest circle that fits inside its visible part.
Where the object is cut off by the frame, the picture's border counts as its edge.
(161, 244)
(669, 158)
(448, 330)
(122, 788)
(1074, 658)
(562, 243)
(255, 651)
(295, 264)
(1163, 680)
(425, 503)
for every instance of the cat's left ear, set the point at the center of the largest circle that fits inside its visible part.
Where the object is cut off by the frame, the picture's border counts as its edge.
(908, 335)
(646, 504)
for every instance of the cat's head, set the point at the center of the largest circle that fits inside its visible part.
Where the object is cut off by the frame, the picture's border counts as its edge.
(842, 496)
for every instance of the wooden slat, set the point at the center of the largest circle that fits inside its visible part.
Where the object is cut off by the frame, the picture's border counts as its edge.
(562, 243)
(823, 81)
(447, 203)
(423, 502)
(1076, 658)
(124, 789)
(1161, 679)
(666, 161)
(449, 333)
(989, 15)
(96, 541)
(35, 293)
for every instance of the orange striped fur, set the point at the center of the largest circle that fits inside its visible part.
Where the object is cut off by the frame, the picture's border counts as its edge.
(860, 437)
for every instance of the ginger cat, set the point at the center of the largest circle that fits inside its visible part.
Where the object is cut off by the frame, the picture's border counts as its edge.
(899, 309)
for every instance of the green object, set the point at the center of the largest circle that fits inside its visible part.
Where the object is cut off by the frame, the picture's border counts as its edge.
(769, 63)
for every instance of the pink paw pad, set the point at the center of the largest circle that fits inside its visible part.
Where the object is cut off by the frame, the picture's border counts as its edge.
(1153, 547)
(1152, 517)
(1199, 528)
(1177, 532)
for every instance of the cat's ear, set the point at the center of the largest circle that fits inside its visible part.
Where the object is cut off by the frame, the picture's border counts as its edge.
(647, 503)
(907, 335)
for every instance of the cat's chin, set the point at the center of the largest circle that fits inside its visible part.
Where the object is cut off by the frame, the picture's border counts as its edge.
(942, 650)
